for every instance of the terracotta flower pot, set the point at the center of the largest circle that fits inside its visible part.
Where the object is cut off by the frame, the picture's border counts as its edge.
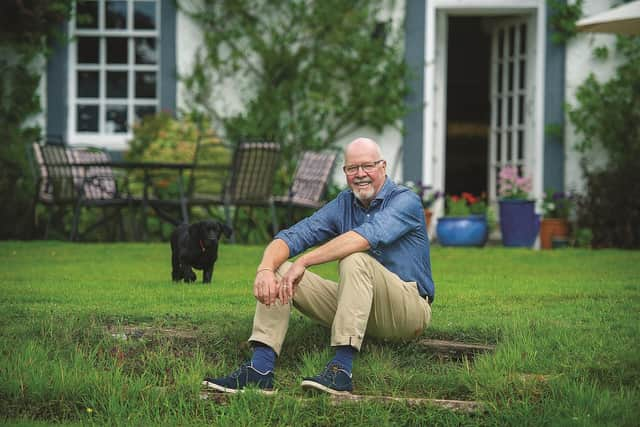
(427, 216)
(550, 228)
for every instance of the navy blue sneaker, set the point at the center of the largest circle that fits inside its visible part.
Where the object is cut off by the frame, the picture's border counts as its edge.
(333, 380)
(245, 376)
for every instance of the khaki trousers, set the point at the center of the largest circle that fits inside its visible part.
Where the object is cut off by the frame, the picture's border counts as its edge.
(368, 299)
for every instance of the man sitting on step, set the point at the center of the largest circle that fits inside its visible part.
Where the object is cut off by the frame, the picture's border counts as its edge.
(377, 230)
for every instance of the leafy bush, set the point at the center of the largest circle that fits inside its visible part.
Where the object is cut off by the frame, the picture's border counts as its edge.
(26, 29)
(611, 207)
(161, 137)
(190, 139)
(307, 73)
(607, 115)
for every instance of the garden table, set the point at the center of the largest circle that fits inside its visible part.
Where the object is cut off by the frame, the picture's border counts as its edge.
(150, 169)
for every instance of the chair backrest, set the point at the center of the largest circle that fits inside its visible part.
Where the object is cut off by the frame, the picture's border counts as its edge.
(252, 171)
(98, 182)
(311, 178)
(44, 190)
(58, 181)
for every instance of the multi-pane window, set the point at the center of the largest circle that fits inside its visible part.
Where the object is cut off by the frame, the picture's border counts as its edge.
(114, 66)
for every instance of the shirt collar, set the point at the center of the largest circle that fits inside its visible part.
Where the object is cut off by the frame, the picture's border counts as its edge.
(386, 188)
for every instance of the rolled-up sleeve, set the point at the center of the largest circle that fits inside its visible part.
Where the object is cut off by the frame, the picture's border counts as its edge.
(391, 223)
(311, 231)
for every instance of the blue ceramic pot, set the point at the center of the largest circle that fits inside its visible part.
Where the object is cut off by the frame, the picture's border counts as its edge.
(519, 223)
(469, 230)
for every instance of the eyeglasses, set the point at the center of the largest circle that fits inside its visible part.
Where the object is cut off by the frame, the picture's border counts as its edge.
(366, 167)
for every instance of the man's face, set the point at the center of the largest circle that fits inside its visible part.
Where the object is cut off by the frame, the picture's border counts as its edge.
(365, 184)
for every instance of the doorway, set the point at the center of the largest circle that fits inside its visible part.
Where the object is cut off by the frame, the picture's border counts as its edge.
(468, 114)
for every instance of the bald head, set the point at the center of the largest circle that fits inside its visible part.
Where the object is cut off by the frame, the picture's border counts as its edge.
(362, 145)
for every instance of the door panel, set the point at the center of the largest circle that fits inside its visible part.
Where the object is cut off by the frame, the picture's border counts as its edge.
(511, 115)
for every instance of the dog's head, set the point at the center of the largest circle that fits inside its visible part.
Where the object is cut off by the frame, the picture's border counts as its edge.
(208, 232)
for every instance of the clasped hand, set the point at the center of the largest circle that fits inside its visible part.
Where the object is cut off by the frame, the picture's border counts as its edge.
(267, 287)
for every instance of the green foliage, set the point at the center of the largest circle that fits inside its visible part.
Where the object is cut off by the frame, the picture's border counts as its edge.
(601, 53)
(188, 139)
(608, 112)
(555, 130)
(556, 204)
(465, 204)
(606, 115)
(610, 207)
(98, 334)
(26, 31)
(161, 137)
(427, 194)
(307, 72)
(563, 19)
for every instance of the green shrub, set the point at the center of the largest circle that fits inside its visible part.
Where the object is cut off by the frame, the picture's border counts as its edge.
(307, 73)
(26, 29)
(607, 115)
(610, 208)
(162, 138)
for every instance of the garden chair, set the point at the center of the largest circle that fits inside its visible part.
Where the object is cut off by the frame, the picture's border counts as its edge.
(249, 182)
(63, 183)
(309, 183)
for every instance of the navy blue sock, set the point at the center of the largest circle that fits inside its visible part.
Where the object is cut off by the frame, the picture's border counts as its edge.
(264, 358)
(344, 356)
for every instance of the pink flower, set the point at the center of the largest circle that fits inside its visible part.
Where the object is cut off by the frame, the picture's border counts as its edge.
(513, 186)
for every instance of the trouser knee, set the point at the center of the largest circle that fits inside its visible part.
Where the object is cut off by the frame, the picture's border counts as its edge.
(284, 267)
(354, 261)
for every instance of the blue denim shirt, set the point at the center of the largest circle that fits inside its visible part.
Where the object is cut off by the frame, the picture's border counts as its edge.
(394, 225)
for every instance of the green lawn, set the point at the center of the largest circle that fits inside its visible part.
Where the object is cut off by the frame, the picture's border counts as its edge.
(566, 325)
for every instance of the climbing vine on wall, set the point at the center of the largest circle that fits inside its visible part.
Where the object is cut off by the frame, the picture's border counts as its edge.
(563, 19)
(306, 72)
(606, 116)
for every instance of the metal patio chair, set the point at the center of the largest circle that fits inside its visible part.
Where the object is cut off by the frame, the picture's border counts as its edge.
(249, 182)
(309, 182)
(63, 184)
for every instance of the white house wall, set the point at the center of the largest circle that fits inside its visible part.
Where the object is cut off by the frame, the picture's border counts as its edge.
(580, 63)
(189, 40)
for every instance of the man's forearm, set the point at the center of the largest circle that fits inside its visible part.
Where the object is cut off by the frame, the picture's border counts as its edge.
(337, 248)
(274, 255)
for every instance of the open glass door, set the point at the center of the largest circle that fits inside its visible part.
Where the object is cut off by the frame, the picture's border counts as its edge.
(512, 71)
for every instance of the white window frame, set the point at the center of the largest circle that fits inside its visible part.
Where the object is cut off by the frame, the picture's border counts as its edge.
(114, 141)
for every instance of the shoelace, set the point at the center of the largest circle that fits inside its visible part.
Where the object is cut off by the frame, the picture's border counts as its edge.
(331, 371)
(238, 372)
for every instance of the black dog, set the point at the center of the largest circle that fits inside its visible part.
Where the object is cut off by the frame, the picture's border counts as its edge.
(196, 246)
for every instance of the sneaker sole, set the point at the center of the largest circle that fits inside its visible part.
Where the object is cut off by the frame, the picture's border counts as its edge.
(312, 385)
(222, 389)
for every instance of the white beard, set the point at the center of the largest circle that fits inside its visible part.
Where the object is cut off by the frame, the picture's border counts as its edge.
(364, 194)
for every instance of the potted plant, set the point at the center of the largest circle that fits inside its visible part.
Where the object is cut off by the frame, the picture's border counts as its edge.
(465, 221)
(519, 223)
(427, 195)
(555, 223)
